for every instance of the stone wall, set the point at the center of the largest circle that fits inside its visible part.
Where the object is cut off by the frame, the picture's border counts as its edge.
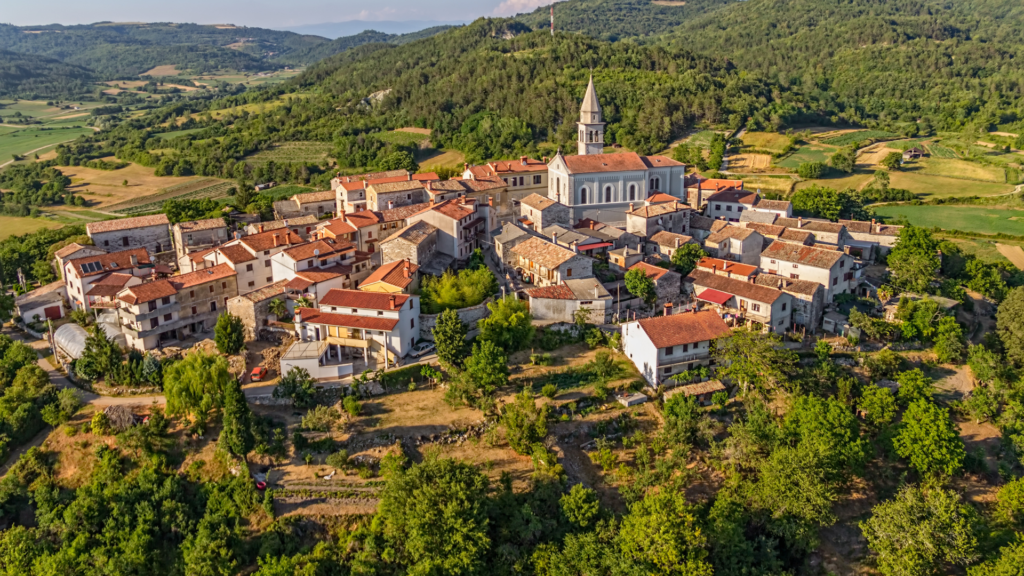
(155, 239)
(400, 249)
(469, 316)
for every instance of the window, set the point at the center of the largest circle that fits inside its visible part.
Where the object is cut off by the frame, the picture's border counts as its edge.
(668, 369)
(607, 193)
(728, 208)
(252, 283)
(410, 304)
(211, 288)
(194, 311)
(165, 301)
(669, 350)
(266, 263)
(379, 313)
(632, 191)
(152, 306)
(323, 262)
(718, 206)
(354, 310)
(686, 347)
(270, 279)
(783, 306)
(755, 307)
(842, 263)
(167, 317)
(739, 208)
(773, 261)
(309, 264)
(568, 272)
(794, 276)
(267, 253)
(224, 285)
(213, 306)
(106, 242)
(154, 322)
(124, 241)
(835, 281)
(248, 267)
(536, 180)
(412, 322)
(796, 265)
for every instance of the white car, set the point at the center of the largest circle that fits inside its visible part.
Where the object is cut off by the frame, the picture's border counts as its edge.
(421, 349)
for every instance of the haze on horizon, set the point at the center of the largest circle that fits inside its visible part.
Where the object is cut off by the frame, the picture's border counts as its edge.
(260, 13)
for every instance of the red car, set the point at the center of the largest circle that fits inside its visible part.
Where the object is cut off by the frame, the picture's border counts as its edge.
(258, 374)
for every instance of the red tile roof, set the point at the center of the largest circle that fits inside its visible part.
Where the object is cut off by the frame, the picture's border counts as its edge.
(665, 238)
(402, 212)
(338, 227)
(392, 273)
(426, 177)
(327, 196)
(658, 161)
(236, 254)
(218, 272)
(734, 197)
(454, 209)
(712, 183)
(622, 162)
(127, 223)
(658, 209)
(653, 272)
(362, 219)
(359, 299)
(734, 268)
(148, 292)
(524, 164)
(714, 296)
(800, 254)
(319, 249)
(70, 249)
(313, 316)
(734, 286)
(684, 328)
(661, 197)
(559, 292)
(265, 240)
(316, 275)
(101, 263)
(731, 232)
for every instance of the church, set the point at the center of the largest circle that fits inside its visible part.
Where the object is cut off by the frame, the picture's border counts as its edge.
(602, 186)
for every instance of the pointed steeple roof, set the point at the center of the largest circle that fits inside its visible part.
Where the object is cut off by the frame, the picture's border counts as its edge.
(590, 103)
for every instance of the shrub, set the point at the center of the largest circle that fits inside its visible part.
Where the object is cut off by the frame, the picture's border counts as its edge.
(812, 170)
(541, 359)
(100, 424)
(549, 390)
(595, 338)
(338, 460)
(352, 406)
(451, 291)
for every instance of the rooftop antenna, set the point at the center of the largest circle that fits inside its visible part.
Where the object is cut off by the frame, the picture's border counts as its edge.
(552, 20)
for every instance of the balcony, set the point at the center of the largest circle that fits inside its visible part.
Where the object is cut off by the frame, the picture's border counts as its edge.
(351, 342)
(146, 332)
(682, 358)
(147, 316)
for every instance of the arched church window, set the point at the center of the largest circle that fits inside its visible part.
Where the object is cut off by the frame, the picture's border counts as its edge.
(583, 195)
(657, 184)
(632, 191)
(607, 193)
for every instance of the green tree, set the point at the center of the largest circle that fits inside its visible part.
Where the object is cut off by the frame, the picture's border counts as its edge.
(1009, 562)
(879, 404)
(43, 272)
(914, 386)
(929, 440)
(913, 260)
(828, 428)
(754, 360)
(686, 257)
(811, 170)
(6, 308)
(510, 324)
(196, 384)
(100, 356)
(298, 385)
(795, 493)
(843, 160)
(487, 367)
(950, 344)
(1010, 326)
(660, 535)
(1010, 504)
(892, 161)
(580, 506)
(229, 334)
(432, 518)
(915, 531)
(236, 436)
(640, 285)
(278, 308)
(450, 338)
(525, 423)
(66, 405)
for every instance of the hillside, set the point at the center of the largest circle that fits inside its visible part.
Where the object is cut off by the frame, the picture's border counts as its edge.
(618, 19)
(27, 75)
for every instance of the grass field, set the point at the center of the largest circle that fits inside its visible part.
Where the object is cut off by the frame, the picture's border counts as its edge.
(401, 137)
(984, 249)
(24, 141)
(440, 157)
(809, 153)
(702, 138)
(12, 226)
(854, 181)
(103, 188)
(954, 168)
(176, 133)
(940, 151)
(292, 152)
(771, 141)
(858, 136)
(966, 218)
(929, 185)
(780, 184)
(904, 145)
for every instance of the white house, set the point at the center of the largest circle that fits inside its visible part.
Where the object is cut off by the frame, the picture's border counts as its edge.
(830, 268)
(314, 268)
(81, 273)
(460, 223)
(666, 345)
(47, 302)
(364, 323)
(729, 204)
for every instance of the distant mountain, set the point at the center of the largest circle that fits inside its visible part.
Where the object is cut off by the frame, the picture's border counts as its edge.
(334, 30)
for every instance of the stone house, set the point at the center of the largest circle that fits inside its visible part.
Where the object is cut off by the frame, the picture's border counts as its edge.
(510, 236)
(729, 204)
(665, 345)
(388, 195)
(546, 264)
(538, 212)
(152, 233)
(623, 259)
(808, 299)
(667, 284)
(728, 269)
(699, 189)
(559, 303)
(736, 244)
(664, 244)
(80, 274)
(460, 224)
(303, 226)
(830, 268)
(196, 236)
(253, 308)
(831, 234)
(646, 221)
(742, 302)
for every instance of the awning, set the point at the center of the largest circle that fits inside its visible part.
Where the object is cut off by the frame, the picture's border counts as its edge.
(588, 247)
(714, 296)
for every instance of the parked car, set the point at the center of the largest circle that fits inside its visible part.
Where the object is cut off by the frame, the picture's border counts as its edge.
(258, 374)
(422, 348)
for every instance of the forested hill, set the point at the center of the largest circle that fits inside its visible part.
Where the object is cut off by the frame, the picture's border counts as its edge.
(617, 19)
(25, 75)
(116, 51)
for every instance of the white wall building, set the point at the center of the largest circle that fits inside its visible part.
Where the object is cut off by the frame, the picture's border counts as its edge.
(830, 268)
(363, 323)
(666, 345)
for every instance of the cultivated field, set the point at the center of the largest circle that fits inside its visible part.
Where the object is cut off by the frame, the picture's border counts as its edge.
(440, 157)
(953, 168)
(855, 181)
(1015, 254)
(932, 186)
(966, 218)
(807, 153)
(770, 141)
(103, 188)
(12, 226)
(402, 137)
(204, 188)
(857, 136)
(873, 155)
(778, 184)
(165, 70)
(315, 152)
(749, 162)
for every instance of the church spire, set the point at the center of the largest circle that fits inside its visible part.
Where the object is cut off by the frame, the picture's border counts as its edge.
(591, 126)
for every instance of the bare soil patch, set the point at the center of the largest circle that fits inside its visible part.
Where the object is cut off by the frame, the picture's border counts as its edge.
(873, 155)
(103, 188)
(1015, 254)
(749, 162)
(669, 2)
(425, 131)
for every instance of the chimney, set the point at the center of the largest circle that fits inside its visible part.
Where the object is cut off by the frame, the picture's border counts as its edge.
(693, 310)
(298, 316)
(597, 291)
(261, 228)
(554, 237)
(406, 269)
(523, 160)
(391, 204)
(465, 167)
(545, 159)
(630, 206)
(592, 224)
(391, 300)
(285, 222)
(276, 239)
(677, 242)
(134, 260)
(490, 201)
(668, 309)
(573, 245)
(800, 222)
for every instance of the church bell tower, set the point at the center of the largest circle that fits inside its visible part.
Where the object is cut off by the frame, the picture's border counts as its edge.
(591, 128)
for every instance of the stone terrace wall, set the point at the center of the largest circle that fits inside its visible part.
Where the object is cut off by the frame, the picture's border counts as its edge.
(469, 316)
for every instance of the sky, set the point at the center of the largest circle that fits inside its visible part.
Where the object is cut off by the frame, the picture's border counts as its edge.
(260, 13)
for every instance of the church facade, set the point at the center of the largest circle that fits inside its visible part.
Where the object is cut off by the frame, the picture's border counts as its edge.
(601, 186)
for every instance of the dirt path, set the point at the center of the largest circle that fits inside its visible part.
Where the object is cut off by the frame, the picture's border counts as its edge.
(36, 150)
(1015, 254)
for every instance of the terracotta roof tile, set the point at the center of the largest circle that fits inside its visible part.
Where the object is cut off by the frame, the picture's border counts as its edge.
(543, 253)
(402, 212)
(766, 229)
(101, 263)
(267, 292)
(400, 186)
(699, 222)
(734, 197)
(734, 268)
(148, 292)
(800, 254)
(236, 254)
(359, 299)
(327, 196)
(734, 286)
(622, 162)
(557, 292)
(201, 255)
(414, 233)
(455, 209)
(317, 275)
(313, 316)
(265, 240)
(731, 232)
(392, 273)
(661, 198)
(338, 227)
(319, 249)
(794, 235)
(127, 223)
(683, 328)
(426, 177)
(499, 167)
(653, 272)
(804, 287)
(658, 161)
(712, 183)
(658, 209)
(69, 250)
(665, 238)
(774, 205)
(218, 272)
(362, 219)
